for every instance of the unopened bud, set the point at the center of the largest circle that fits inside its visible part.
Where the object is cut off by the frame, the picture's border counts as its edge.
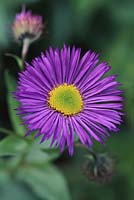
(99, 168)
(27, 26)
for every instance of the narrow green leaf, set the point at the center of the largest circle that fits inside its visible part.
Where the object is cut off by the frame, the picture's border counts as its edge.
(6, 131)
(13, 104)
(47, 182)
(12, 145)
(18, 60)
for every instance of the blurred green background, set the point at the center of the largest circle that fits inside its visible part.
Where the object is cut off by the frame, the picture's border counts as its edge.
(107, 27)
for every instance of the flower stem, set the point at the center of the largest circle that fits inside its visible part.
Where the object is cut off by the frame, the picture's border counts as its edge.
(90, 151)
(25, 47)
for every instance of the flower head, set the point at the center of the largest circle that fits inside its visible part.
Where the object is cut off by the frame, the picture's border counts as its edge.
(62, 95)
(27, 26)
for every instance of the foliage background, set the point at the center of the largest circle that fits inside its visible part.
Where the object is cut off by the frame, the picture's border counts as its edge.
(106, 26)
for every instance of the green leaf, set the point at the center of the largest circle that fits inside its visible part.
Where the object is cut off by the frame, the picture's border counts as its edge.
(47, 182)
(16, 191)
(12, 145)
(4, 176)
(41, 153)
(18, 60)
(6, 131)
(44, 145)
(13, 104)
(39, 157)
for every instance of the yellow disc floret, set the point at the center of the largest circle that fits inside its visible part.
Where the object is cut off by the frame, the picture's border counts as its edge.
(66, 99)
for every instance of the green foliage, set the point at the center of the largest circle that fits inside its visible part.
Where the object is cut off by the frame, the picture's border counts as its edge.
(87, 6)
(17, 59)
(10, 189)
(13, 104)
(12, 145)
(41, 153)
(120, 57)
(30, 165)
(46, 181)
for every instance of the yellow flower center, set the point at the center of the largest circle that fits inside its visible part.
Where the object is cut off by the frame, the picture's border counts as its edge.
(66, 99)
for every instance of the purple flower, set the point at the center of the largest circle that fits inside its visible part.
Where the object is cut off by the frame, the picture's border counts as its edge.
(27, 26)
(63, 95)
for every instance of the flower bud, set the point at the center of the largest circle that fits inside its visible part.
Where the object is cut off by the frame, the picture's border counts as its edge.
(99, 168)
(27, 26)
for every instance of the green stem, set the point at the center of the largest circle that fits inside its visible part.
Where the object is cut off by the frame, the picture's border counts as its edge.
(91, 152)
(8, 132)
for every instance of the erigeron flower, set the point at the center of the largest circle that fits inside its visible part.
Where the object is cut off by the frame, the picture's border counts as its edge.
(62, 94)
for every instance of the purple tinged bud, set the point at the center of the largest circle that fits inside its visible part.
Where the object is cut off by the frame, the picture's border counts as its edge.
(27, 26)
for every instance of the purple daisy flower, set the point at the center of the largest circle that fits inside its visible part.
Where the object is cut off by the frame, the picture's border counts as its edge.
(62, 95)
(27, 26)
